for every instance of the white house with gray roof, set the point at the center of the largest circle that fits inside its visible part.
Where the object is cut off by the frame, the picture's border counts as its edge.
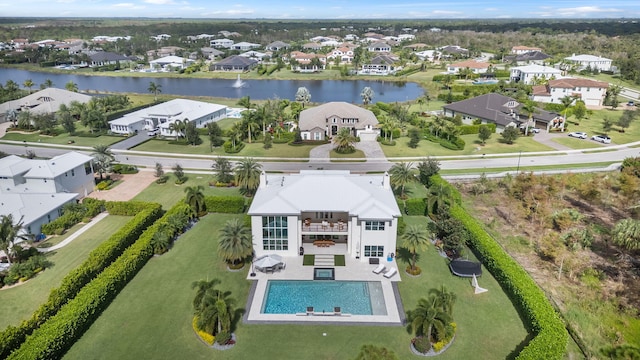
(352, 215)
(161, 116)
(324, 121)
(46, 101)
(592, 62)
(36, 190)
(531, 74)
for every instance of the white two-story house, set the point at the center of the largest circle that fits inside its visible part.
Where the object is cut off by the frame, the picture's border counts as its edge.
(590, 91)
(532, 74)
(353, 215)
(36, 190)
(593, 62)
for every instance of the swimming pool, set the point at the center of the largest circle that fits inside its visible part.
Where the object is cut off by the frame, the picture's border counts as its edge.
(353, 297)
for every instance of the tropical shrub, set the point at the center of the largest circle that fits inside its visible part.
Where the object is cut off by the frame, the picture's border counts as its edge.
(204, 336)
(415, 206)
(225, 204)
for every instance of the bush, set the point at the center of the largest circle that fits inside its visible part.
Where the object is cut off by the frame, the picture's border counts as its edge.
(422, 344)
(103, 185)
(228, 147)
(225, 204)
(125, 169)
(415, 207)
(223, 338)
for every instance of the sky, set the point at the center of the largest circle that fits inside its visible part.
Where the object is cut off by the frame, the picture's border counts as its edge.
(319, 9)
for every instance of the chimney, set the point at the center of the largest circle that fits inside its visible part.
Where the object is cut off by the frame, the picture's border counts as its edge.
(263, 180)
(386, 181)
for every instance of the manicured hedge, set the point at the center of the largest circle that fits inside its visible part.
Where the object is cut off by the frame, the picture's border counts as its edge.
(224, 204)
(551, 337)
(126, 208)
(437, 180)
(99, 258)
(475, 129)
(415, 206)
(57, 334)
(92, 208)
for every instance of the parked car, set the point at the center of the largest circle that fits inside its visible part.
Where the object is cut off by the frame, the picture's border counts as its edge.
(631, 103)
(153, 132)
(601, 138)
(578, 134)
(535, 130)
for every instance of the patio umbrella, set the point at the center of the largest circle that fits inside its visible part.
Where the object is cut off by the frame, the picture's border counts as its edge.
(266, 262)
(276, 257)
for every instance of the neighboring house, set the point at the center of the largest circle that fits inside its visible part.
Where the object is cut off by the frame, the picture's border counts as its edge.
(405, 37)
(277, 46)
(161, 117)
(500, 110)
(532, 74)
(430, 55)
(211, 53)
(234, 63)
(528, 58)
(590, 91)
(380, 65)
(453, 50)
(324, 121)
(344, 53)
(477, 67)
(303, 62)
(46, 101)
(312, 46)
(379, 47)
(524, 49)
(164, 52)
(357, 215)
(161, 37)
(244, 46)
(103, 58)
(255, 55)
(221, 43)
(171, 62)
(590, 61)
(36, 190)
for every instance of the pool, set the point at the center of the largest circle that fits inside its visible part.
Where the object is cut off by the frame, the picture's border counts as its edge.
(353, 297)
(324, 274)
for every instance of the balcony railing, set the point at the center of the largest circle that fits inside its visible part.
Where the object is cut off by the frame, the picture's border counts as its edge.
(327, 227)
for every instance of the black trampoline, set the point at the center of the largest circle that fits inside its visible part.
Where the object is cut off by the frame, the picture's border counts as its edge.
(465, 268)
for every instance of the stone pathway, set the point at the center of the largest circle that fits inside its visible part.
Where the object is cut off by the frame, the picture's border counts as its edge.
(73, 236)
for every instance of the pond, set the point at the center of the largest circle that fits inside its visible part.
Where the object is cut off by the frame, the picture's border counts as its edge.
(321, 91)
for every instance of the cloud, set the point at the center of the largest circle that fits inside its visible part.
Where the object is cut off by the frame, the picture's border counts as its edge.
(581, 10)
(446, 12)
(127, 6)
(160, 2)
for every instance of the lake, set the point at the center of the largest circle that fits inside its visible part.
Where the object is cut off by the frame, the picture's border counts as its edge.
(321, 91)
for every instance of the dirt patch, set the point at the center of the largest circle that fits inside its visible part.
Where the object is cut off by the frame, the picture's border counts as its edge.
(131, 185)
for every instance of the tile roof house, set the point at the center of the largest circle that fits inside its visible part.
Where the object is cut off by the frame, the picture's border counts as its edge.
(234, 63)
(45, 101)
(324, 121)
(524, 49)
(379, 47)
(500, 110)
(590, 61)
(530, 74)
(590, 91)
(277, 45)
(355, 215)
(161, 116)
(477, 67)
(36, 190)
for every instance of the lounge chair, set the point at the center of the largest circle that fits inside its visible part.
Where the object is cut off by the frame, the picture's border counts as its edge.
(337, 310)
(309, 310)
(379, 269)
(390, 273)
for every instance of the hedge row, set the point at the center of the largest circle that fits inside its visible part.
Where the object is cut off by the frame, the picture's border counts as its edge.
(415, 207)
(98, 260)
(551, 337)
(92, 207)
(57, 335)
(457, 144)
(475, 129)
(120, 113)
(225, 204)
(437, 180)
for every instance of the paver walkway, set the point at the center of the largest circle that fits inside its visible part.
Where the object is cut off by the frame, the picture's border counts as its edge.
(368, 145)
(132, 185)
(73, 236)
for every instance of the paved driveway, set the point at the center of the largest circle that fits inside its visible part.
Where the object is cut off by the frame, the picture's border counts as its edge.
(131, 141)
(131, 185)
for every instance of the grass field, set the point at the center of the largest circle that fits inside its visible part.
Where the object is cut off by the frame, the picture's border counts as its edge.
(151, 317)
(19, 302)
(254, 149)
(63, 139)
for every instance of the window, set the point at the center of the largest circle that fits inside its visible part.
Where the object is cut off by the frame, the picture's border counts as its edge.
(87, 168)
(373, 251)
(374, 225)
(316, 136)
(73, 172)
(275, 233)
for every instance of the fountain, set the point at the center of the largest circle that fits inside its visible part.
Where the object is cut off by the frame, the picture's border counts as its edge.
(239, 83)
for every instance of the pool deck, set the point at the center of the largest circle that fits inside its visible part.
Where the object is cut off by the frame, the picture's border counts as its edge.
(354, 270)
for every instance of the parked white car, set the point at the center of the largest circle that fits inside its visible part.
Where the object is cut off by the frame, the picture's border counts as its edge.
(601, 138)
(578, 134)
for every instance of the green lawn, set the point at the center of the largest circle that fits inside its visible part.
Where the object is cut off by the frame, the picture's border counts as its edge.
(168, 194)
(576, 143)
(151, 317)
(254, 149)
(18, 303)
(63, 139)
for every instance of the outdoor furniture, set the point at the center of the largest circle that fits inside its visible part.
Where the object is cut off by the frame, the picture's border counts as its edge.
(307, 222)
(325, 224)
(390, 273)
(324, 243)
(309, 310)
(337, 311)
(379, 269)
(340, 224)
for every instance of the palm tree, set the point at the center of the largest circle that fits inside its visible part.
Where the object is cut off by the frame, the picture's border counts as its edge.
(195, 199)
(28, 84)
(401, 175)
(247, 174)
(303, 95)
(367, 95)
(528, 108)
(9, 233)
(155, 89)
(103, 159)
(439, 197)
(344, 141)
(235, 242)
(47, 84)
(415, 238)
(251, 125)
(429, 319)
(446, 299)
(245, 102)
(161, 239)
(71, 86)
(213, 308)
(177, 126)
(224, 170)
(566, 102)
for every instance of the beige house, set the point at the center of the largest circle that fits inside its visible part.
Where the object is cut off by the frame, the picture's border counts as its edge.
(324, 121)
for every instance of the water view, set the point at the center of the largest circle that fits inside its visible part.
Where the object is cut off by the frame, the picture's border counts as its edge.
(321, 90)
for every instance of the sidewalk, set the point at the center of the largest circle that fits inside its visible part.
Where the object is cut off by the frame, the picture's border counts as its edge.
(73, 236)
